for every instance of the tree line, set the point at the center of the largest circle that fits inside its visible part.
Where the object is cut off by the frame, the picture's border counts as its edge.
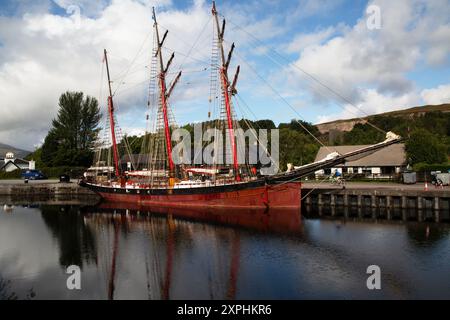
(427, 136)
(72, 138)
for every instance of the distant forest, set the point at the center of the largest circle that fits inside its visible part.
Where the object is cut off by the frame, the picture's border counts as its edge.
(427, 137)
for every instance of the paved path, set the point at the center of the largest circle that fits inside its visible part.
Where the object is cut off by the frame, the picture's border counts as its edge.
(306, 185)
(373, 186)
(20, 181)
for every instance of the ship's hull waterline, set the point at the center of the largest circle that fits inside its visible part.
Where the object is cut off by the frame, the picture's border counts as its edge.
(252, 195)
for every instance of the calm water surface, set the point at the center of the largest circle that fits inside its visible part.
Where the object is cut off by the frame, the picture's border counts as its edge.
(138, 255)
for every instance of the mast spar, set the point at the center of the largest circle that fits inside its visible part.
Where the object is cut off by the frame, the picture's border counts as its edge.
(164, 95)
(226, 90)
(111, 119)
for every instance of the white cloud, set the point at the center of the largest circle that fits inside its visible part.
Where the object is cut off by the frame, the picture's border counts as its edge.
(87, 7)
(370, 67)
(439, 95)
(303, 41)
(372, 102)
(43, 55)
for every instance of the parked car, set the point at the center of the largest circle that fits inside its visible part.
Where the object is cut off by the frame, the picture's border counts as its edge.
(33, 175)
(64, 178)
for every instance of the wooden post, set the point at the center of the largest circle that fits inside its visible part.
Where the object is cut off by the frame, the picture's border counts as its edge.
(404, 202)
(419, 203)
(388, 202)
(436, 209)
(308, 201)
(436, 204)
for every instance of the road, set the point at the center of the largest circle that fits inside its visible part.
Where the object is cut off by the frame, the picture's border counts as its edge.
(19, 181)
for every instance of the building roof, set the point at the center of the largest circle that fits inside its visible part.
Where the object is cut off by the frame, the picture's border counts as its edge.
(393, 155)
(21, 161)
(8, 164)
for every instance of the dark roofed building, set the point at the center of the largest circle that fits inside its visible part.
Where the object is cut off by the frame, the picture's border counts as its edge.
(384, 163)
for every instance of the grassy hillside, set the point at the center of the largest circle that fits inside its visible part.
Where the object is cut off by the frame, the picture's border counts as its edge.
(348, 124)
(4, 148)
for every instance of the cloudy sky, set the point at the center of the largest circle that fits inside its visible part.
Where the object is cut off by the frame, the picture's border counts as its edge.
(315, 59)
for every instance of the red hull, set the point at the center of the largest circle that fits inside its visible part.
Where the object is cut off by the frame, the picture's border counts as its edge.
(280, 196)
(272, 220)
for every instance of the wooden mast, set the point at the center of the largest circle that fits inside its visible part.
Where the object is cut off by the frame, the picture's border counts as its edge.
(225, 84)
(164, 96)
(111, 119)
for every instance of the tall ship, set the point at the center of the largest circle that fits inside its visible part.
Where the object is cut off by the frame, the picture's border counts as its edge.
(156, 179)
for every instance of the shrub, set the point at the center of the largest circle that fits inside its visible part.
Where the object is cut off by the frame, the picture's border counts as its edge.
(425, 167)
(16, 174)
(55, 172)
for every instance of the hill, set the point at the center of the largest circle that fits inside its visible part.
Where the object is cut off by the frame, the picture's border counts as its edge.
(19, 153)
(348, 124)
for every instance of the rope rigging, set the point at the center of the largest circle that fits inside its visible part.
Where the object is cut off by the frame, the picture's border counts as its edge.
(284, 100)
(224, 100)
(309, 75)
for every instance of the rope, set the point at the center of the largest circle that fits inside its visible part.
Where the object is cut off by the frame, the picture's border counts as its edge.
(187, 56)
(256, 136)
(285, 101)
(184, 41)
(194, 44)
(311, 77)
(132, 62)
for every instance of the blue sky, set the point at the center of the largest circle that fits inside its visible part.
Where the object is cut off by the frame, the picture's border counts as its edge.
(46, 48)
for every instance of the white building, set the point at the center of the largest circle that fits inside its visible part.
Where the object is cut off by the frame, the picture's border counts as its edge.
(384, 163)
(11, 163)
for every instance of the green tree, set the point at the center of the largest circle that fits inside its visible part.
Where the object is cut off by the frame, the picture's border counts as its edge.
(74, 131)
(363, 134)
(426, 147)
(296, 148)
(50, 148)
(301, 126)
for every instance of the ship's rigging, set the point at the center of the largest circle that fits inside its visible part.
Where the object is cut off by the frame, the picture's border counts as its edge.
(154, 169)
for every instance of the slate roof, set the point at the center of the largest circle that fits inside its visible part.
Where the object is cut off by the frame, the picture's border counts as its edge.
(393, 155)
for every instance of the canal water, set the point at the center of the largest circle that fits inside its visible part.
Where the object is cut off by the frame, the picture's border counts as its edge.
(136, 254)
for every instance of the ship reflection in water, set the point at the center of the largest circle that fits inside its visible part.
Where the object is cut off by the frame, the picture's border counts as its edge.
(151, 253)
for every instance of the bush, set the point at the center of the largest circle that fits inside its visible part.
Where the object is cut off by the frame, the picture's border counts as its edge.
(424, 146)
(55, 172)
(16, 174)
(425, 167)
